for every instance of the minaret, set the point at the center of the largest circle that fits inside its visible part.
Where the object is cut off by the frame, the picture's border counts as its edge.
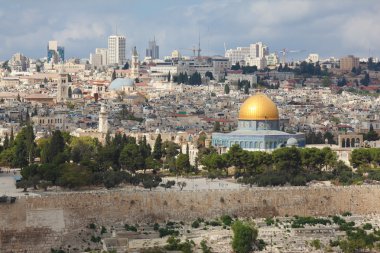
(103, 120)
(135, 63)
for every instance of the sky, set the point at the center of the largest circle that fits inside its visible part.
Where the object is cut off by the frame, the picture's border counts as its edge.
(327, 27)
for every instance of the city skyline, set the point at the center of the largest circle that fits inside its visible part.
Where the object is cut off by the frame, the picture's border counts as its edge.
(325, 27)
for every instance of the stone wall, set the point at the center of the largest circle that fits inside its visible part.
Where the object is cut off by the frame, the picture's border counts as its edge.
(47, 219)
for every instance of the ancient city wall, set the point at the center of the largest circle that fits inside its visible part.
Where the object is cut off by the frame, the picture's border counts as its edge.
(43, 221)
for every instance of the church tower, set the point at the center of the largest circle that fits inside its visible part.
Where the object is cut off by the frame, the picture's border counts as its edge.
(103, 120)
(62, 87)
(135, 64)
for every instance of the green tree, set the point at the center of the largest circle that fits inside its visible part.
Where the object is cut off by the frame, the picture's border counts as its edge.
(131, 158)
(226, 89)
(157, 150)
(70, 92)
(372, 135)
(57, 144)
(183, 163)
(113, 75)
(216, 126)
(24, 147)
(287, 160)
(209, 75)
(126, 65)
(170, 149)
(74, 176)
(246, 89)
(6, 141)
(83, 148)
(360, 156)
(365, 80)
(244, 237)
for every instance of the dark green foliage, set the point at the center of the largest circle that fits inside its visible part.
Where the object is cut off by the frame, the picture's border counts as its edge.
(157, 150)
(347, 213)
(367, 226)
(226, 219)
(195, 224)
(57, 251)
(204, 247)
(150, 181)
(269, 221)
(226, 89)
(92, 226)
(194, 79)
(167, 231)
(365, 80)
(176, 244)
(130, 228)
(209, 75)
(96, 239)
(244, 237)
(300, 222)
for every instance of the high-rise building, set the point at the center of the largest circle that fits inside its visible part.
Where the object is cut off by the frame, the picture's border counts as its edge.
(153, 51)
(116, 50)
(254, 55)
(237, 55)
(55, 53)
(349, 62)
(104, 54)
(99, 59)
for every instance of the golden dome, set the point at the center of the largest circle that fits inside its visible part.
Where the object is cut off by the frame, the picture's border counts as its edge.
(258, 107)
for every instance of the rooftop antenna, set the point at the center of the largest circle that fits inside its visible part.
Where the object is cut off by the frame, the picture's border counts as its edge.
(225, 48)
(199, 45)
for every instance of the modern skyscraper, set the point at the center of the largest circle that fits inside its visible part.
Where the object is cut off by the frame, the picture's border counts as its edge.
(116, 50)
(153, 50)
(55, 53)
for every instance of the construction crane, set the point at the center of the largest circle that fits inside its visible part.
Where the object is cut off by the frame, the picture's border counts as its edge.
(198, 50)
(194, 50)
(285, 51)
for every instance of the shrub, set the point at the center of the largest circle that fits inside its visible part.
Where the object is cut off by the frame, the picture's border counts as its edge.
(367, 226)
(130, 228)
(167, 231)
(226, 219)
(95, 239)
(204, 247)
(243, 237)
(195, 224)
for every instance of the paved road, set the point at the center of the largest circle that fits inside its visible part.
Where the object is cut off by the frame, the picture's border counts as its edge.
(203, 183)
(8, 184)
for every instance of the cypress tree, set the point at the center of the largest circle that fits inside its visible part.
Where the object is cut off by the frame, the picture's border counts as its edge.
(157, 151)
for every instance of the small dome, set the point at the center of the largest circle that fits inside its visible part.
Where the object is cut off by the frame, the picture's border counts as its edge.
(258, 107)
(77, 91)
(119, 83)
(292, 142)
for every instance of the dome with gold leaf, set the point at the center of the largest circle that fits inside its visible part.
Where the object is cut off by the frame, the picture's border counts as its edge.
(258, 107)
